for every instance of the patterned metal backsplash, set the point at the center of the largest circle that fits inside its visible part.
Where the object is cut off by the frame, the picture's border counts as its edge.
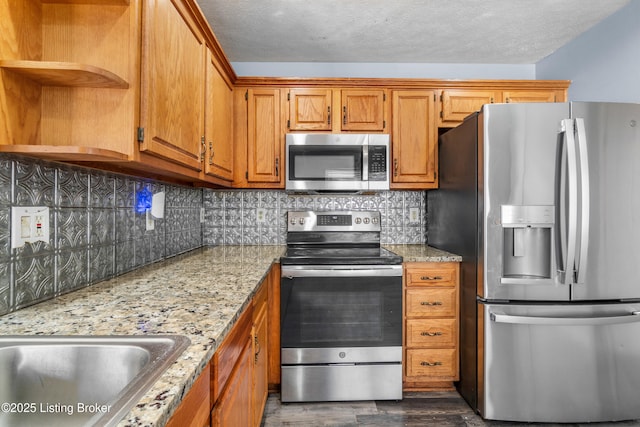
(96, 233)
(232, 216)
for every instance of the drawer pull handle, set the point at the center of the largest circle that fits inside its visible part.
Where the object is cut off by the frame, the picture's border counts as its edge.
(431, 278)
(431, 334)
(431, 363)
(431, 303)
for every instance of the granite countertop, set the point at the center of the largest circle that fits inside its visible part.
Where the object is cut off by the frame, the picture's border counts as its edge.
(199, 294)
(422, 253)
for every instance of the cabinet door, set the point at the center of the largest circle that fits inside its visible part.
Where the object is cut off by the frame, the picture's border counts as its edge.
(265, 141)
(260, 382)
(458, 104)
(194, 408)
(531, 96)
(414, 139)
(234, 406)
(309, 109)
(218, 129)
(172, 98)
(363, 110)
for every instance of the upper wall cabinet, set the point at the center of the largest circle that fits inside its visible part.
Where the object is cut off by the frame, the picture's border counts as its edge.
(218, 126)
(309, 109)
(456, 104)
(532, 96)
(119, 84)
(336, 110)
(414, 140)
(173, 77)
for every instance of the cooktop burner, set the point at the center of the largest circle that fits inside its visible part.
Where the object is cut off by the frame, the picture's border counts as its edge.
(339, 256)
(337, 237)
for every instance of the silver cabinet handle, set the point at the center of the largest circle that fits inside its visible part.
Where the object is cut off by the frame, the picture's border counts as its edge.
(567, 321)
(431, 334)
(431, 278)
(430, 363)
(429, 303)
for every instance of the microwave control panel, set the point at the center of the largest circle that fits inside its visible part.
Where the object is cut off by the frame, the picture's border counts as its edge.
(377, 163)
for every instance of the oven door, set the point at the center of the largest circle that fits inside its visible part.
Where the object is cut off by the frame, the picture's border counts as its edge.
(340, 306)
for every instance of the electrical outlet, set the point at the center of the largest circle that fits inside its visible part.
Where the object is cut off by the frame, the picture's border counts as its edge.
(414, 215)
(261, 215)
(29, 224)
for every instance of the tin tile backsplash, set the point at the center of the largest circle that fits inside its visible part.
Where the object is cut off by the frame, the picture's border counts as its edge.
(96, 231)
(258, 217)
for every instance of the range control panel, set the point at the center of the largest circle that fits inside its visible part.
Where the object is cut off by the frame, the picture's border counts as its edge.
(333, 221)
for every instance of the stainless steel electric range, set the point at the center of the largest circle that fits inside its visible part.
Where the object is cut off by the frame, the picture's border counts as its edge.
(341, 310)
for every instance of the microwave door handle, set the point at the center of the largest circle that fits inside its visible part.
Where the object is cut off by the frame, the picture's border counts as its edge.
(365, 162)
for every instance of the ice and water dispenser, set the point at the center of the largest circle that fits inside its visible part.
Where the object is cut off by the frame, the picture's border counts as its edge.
(527, 241)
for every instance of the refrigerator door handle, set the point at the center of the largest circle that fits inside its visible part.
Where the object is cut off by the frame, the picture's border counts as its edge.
(566, 321)
(568, 200)
(584, 201)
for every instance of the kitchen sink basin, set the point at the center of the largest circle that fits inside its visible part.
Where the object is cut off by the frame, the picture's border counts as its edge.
(79, 380)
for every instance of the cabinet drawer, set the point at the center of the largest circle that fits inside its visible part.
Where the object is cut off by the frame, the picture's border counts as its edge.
(431, 302)
(440, 363)
(444, 276)
(432, 333)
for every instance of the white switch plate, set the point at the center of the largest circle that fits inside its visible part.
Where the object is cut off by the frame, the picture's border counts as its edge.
(151, 224)
(261, 215)
(29, 224)
(414, 215)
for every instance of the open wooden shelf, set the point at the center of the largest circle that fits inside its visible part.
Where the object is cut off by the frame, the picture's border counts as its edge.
(50, 73)
(65, 153)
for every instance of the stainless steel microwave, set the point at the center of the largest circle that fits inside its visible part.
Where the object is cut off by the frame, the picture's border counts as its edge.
(331, 162)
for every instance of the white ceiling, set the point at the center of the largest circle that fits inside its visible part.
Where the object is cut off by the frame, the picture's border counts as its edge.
(400, 31)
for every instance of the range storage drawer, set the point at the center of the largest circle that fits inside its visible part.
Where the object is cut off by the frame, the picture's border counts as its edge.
(432, 363)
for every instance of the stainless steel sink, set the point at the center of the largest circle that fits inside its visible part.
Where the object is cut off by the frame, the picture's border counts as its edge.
(81, 380)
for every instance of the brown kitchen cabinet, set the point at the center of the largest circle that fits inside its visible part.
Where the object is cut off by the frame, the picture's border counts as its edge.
(239, 376)
(431, 321)
(260, 351)
(218, 125)
(116, 84)
(259, 138)
(532, 96)
(414, 137)
(194, 408)
(336, 110)
(456, 104)
(173, 76)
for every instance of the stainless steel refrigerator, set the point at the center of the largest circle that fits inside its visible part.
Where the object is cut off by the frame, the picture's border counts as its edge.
(543, 203)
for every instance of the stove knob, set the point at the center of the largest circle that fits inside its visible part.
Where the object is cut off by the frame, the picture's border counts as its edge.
(293, 221)
(358, 220)
(301, 221)
(366, 220)
(374, 220)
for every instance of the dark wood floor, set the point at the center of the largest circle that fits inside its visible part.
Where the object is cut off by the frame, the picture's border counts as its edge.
(416, 409)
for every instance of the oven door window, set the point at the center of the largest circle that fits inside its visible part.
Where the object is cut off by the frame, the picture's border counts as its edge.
(322, 163)
(341, 312)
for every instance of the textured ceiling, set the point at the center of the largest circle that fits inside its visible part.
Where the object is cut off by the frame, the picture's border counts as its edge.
(400, 31)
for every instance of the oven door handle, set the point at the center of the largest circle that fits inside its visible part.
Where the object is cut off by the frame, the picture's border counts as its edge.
(289, 271)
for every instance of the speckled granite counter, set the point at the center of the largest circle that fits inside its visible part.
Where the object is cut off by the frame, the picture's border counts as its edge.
(199, 294)
(422, 253)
